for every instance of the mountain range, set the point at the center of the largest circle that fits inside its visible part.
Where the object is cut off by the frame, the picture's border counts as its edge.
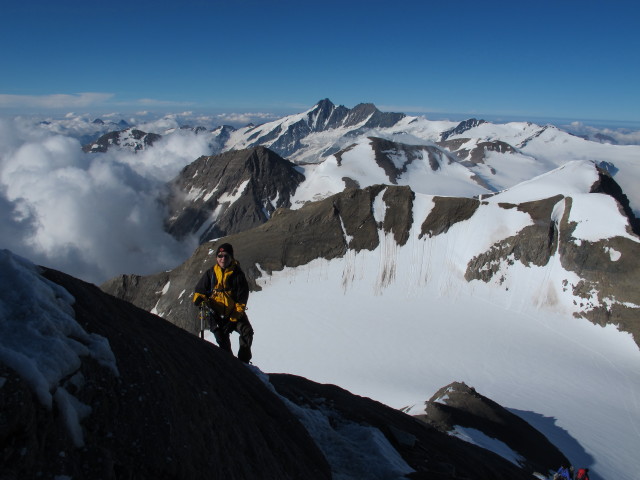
(406, 259)
(242, 188)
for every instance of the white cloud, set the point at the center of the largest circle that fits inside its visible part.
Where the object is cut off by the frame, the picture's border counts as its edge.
(90, 215)
(245, 118)
(168, 155)
(60, 100)
(623, 136)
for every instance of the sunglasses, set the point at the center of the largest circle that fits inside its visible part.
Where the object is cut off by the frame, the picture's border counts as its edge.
(224, 255)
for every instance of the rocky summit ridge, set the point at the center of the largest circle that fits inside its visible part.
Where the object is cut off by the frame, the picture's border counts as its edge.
(289, 136)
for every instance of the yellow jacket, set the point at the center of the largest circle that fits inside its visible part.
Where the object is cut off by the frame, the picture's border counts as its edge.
(226, 291)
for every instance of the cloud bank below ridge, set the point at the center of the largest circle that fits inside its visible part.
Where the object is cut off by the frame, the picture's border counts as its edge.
(93, 216)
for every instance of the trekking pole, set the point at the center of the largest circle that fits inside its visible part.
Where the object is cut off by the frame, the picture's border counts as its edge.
(202, 322)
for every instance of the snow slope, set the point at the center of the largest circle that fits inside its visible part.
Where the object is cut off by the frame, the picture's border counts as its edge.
(397, 324)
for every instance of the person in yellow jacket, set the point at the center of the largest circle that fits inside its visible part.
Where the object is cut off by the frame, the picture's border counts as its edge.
(225, 290)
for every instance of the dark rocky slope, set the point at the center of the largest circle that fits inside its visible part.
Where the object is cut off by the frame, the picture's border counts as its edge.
(180, 408)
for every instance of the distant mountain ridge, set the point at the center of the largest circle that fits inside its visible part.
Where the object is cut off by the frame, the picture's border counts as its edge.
(460, 128)
(288, 136)
(130, 138)
(285, 136)
(492, 152)
(229, 193)
(345, 221)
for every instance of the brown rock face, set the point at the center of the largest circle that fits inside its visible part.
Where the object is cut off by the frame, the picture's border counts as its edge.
(603, 279)
(448, 211)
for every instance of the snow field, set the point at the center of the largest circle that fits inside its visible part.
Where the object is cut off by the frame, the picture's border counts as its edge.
(398, 323)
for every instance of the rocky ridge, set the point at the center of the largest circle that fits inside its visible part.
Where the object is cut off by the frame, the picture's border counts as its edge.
(291, 135)
(458, 405)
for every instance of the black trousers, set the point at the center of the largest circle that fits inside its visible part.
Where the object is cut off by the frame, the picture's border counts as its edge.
(244, 328)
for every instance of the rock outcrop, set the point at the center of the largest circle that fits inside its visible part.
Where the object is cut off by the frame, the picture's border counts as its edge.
(229, 193)
(458, 405)
(433, 454)
(130, 138)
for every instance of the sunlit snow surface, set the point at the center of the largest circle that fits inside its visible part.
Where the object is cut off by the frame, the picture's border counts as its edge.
(398, 323)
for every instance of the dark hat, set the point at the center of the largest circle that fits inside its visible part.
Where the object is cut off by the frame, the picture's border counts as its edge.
(225, 247)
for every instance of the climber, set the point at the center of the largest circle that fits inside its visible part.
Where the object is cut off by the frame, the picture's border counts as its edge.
(224, 290)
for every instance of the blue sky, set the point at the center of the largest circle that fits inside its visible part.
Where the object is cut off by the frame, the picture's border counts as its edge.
(575, 60)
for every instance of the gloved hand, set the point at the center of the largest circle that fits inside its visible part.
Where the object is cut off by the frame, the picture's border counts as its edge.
(200, 299)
